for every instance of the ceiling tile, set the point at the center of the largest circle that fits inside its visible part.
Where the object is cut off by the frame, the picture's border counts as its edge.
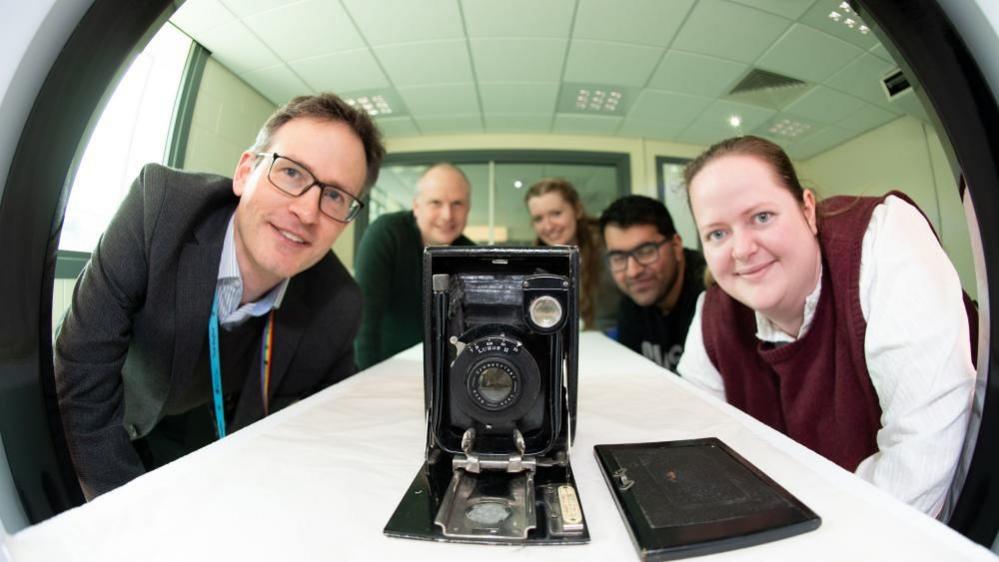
(397, 126)
(821, 141)
(791, 9)
(865, 119)
(489, 18)
(243, 8)
(341, 72)
(233, 45)
(610, 63)
(824, 105)
(880, 51)
(402, 21)
(518, 98)
(444, 124)
(324, 23)
(808, 54)
(713, 124)
(518, 60)
(818, 17)
(700, 75)
(662, 114)
(277, 83)
(650, 22)
(862, 78)
(418, 64)
(538, 123)
(730, 31)
(441, 99)
(586, 124)
(194, 18)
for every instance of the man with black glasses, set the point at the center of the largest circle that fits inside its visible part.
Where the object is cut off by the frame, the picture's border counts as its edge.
(660, 278)
(209, 302)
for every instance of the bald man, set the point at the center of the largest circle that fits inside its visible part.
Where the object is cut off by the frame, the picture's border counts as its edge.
(389, 266)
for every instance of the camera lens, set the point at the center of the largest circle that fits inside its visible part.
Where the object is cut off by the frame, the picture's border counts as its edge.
(495, 384)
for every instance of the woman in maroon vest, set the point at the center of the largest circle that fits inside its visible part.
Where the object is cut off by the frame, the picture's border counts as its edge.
(840, 323)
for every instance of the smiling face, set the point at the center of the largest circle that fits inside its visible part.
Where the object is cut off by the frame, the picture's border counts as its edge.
(650, 283)
(441, 205)
(278, 236)
(554, 219)
(759, 241)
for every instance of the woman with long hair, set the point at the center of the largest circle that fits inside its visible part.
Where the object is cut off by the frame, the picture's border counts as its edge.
(840, 323)
(558, 218)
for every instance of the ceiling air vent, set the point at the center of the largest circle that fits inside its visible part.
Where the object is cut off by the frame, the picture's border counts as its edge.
(767, 89)
(895, 84)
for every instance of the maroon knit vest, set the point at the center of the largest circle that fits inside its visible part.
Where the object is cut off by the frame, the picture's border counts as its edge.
(816, 389)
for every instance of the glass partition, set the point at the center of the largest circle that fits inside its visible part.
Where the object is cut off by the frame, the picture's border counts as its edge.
(499, 181)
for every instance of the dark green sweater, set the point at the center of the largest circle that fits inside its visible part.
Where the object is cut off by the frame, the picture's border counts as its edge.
(389, 269)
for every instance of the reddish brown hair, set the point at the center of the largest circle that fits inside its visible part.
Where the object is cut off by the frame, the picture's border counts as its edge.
(749, 145)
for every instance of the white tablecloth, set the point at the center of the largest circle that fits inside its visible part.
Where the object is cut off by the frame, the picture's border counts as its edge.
(319, 480)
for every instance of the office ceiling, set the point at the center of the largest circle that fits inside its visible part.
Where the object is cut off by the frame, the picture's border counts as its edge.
(656, 69)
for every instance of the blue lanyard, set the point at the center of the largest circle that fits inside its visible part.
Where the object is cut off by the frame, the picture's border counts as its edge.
(266, 348)
(213, 347)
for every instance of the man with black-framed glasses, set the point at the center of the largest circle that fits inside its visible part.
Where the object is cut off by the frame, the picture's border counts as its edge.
(210, 303)
(660, 278)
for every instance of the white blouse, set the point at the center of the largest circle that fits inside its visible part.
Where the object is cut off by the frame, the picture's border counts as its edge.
(918, 356)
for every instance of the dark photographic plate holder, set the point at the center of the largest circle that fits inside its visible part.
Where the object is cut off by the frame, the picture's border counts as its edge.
(696, 497)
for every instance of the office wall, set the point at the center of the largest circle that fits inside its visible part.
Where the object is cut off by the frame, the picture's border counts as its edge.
(227, 115)
(642, 152)
(904, 154)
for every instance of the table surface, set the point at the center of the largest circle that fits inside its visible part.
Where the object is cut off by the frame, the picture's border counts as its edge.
(319, 480)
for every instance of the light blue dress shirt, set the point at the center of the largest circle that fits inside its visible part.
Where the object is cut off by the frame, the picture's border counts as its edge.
(229, 288)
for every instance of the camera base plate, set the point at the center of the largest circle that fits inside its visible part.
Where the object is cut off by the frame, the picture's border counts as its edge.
(543, 518)
(497, 506)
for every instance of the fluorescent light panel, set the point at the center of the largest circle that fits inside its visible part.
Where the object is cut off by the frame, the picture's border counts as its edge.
(845, 15)
(598, 100)
(374, 105)
(788, 128)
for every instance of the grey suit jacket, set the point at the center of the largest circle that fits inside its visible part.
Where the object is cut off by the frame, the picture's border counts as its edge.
(138, 323)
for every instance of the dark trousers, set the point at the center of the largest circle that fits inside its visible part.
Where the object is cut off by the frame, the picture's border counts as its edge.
(176, 436)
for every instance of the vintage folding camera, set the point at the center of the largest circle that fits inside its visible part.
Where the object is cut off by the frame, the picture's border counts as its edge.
(501, 330)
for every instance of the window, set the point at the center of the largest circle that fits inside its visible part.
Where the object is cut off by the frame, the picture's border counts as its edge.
(673, 193)
(133, 130)
(499, 181)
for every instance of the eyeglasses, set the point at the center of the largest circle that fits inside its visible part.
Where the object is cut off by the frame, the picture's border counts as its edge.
(294, 179)
(645, 254)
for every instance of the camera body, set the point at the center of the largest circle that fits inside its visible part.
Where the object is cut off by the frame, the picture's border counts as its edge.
(501, 329)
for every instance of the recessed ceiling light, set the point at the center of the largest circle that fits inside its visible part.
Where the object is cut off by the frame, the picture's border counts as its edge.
(373, 105)
(849, 18)
(518, 184)
(734, 121)
(789, 128)
(597, 100)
